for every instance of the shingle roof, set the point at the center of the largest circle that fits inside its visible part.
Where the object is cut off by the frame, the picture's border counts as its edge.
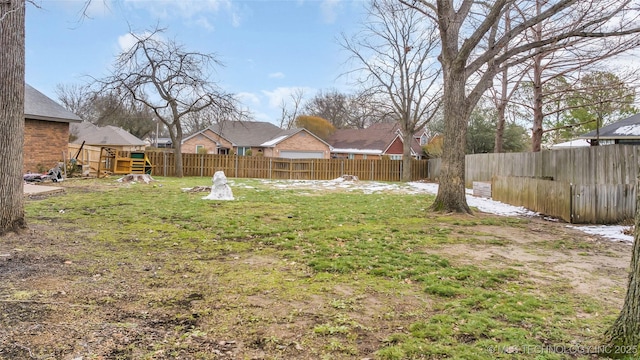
(246, 133)
(38, 106)
(628, 128)
(107, 135)
(372, 138)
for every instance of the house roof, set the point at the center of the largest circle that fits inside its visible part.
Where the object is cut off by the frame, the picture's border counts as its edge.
(373, 140)
(101, 136)
(38, 106)
(628, 128)
(246, 133)
(570, 144)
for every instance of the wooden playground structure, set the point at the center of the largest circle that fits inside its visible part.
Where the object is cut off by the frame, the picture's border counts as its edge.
(104, 161)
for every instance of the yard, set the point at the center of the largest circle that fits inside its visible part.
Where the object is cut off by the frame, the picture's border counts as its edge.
(113, 270)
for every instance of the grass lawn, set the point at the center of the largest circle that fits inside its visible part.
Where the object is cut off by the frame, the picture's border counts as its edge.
(135, 271)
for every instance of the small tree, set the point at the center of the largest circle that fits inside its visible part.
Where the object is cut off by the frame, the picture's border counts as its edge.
(320, 127)
(170, 81)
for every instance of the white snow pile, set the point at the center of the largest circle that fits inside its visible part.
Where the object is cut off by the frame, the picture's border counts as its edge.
(613, 232)
(482, 204)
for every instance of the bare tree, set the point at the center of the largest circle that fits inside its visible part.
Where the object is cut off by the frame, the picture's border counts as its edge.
(290, 110)
(396, 53)
(12, 67)
(75, 98)
(474, 37)
(330, 105)
(170, 81)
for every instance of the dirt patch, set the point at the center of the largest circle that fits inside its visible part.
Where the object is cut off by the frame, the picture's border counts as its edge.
(550, 251)
(53, 308)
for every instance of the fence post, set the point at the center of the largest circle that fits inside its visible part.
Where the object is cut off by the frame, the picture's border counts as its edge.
(312, 167)
(342, 168)
(201, 165)
(236, 165)
(270, 165)
(372, 166)
(571, 203)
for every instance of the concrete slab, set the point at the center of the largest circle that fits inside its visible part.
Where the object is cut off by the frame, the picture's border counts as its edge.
(33, 189)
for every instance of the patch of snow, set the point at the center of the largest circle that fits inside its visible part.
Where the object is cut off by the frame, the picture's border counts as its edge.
(628, 130)
(614, 232)
(483, 204)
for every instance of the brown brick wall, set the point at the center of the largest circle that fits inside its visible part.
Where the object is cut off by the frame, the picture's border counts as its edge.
(44, 142)
(189, 146)
(305, 142)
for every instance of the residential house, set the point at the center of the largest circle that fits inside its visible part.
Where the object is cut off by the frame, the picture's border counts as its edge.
(107, 136)
(374, 142)
(46, 131)
(571, 144)
(256, 138)
(625, 131)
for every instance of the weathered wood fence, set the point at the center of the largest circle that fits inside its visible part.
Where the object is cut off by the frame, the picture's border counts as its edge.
(279, 168)
(580, 185)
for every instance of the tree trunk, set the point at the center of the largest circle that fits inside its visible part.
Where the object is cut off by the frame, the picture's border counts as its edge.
(538, 116)
(407, 138)
(451, 192)
(12, 64)
(177, 151)
(498, 145)
(624, 334)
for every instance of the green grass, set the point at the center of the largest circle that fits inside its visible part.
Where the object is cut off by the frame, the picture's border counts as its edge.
(189, 258)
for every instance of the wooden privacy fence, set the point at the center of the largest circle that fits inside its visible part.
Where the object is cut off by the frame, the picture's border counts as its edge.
(279, 168)
(610, 164)
(574, 203)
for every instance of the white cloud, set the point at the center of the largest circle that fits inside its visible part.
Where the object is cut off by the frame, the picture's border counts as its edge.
(203, 22)
(276, 75)
(278, 95)
(248, 98)
(329, 10)
(187, 9)
(127, 41)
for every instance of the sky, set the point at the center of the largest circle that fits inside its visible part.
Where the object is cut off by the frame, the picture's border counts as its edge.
(269, 48)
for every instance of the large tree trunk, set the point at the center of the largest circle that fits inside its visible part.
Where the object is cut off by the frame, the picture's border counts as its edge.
(407, 138)
(451, 192)
(177, 150)
(624, 335)
(12, 65)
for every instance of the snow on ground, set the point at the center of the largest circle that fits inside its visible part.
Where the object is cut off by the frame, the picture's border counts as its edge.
(612, 232)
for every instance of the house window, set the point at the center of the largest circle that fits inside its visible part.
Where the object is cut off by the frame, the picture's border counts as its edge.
(364, 156)
(200, 149)
(242, 150)
(423, 139)
(395, 157)
(352, 156)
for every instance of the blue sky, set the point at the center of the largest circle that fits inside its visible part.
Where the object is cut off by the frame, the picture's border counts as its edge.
(268, 47)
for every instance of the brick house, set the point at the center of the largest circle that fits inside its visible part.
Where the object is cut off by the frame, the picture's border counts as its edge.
(46, 131)
(374, 142)
(256, 138)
